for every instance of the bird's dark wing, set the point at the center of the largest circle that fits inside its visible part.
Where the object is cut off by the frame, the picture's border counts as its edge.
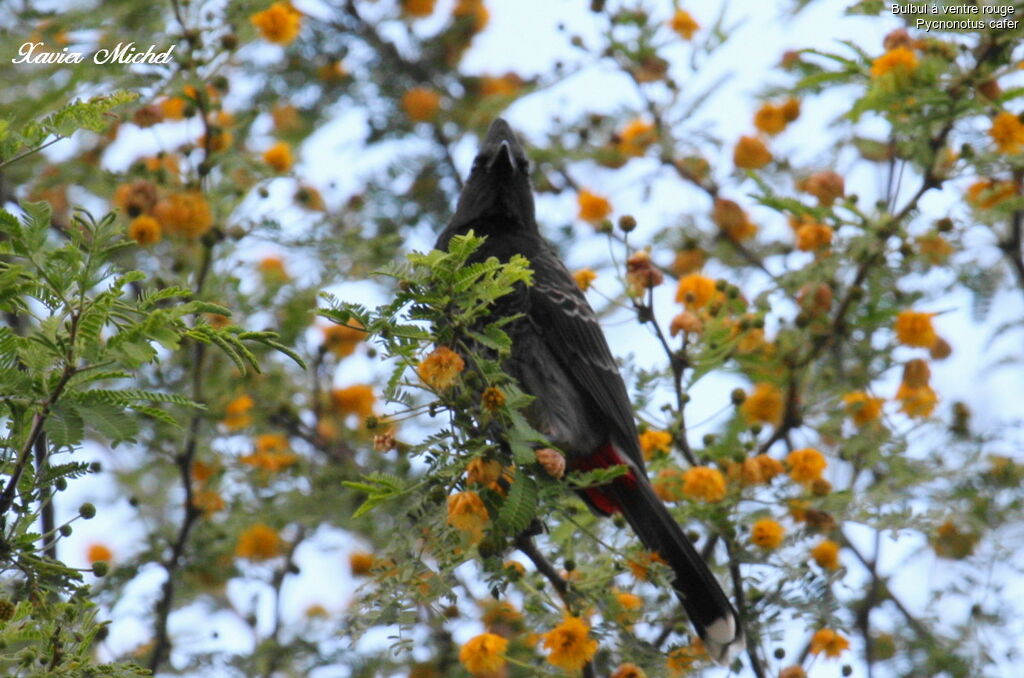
(560, 313)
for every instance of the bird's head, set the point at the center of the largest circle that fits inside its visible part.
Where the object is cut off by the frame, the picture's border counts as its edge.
(499, 183)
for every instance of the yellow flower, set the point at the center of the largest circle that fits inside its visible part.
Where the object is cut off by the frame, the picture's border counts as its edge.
(135, 198)
(917, 401)
(767, 534)
(899, 61)
(770, 119)
(360, 563)
(341, 340)
(827, 186)
(629, 601)
(418, 8)
(272, 453)
(668, 484)
(172, 108)
(186, 214)
(629, 670)
(826, 555)
(794, 671)
(813, 236)
(208, 501)
(144, 230)
(733, 220)
(483, 654)
(695, 290)
(279, 23)
(441, 368)
(770, 466)
(704, 483)
(272, 269)
(593, 208)
(98, 552)
(806, 465)
(862, 408)
(467, 513)
(504, 86)
(640, 565)
(652, 441)
(1007, 132)
(934, 248)
(791, 110)
(258, 542)
(915, 329)
(279, 157)
(764, 404)
(236, 414)
(421, 104)
(309, 197)
(474, 9)
(492, 399)
(682, 659)
(688, 260)
(357, 399)
(683, 23)
(986, 193)
(482, 471)
(584, 277)
(636, 137)
(829, 642)
(569, 645)
(316, 611)
(751, 153)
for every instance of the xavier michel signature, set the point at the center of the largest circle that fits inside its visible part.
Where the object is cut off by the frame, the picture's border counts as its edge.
(122, 53)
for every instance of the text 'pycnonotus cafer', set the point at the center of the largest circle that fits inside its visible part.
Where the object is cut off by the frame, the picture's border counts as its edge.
(560, 356)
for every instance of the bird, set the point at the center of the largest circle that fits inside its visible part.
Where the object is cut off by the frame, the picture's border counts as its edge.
(559, 355)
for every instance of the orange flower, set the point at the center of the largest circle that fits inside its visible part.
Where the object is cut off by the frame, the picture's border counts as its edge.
(829, 642)
(1007, 132)
(916, 401)
(951, 542)
(683, 23)
(900, 61)
(669, 484)
(272, 269)
(593, 208)
(552, 461)
(272, 453)
(791, 110)
(636, 137)
(421, 104)
(746, 472)
(680, 660)
(360, 563)
(629, 670)
(704, 483)
(733, 220)
(688, 260)
(640, 565)
(652, 441)
(687, 321)
(467, 513)
(418, 8)
(441, 368)
(764, 404)
(813, 236)
(794, 671)
(504, 86)
(492, 399)
(135, 198)
(341, 340)
(217, 140)
(484, 654)
(695, 290)
(770, 119)
(308, 197)
(767, 534)
(474, 9)
(641, 273)
(826, 555)
(770, 466)
(279, 23)
(862, 408)
(172, 108)
(584, 277)
(286, 117)
(986, 193)
(569, 644)
(144, 230)
(333, 71)
(258, 542)
(933, 248)
(914, 328)
(186, 214)
(751, 153)
(98, 552)
(806, 465)
(208, 501)
(827, 186)
(236, 414)
(357, 399)
(279, 157)
(482, 471)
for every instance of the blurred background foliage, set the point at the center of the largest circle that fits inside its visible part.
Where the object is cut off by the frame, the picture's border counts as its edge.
(168, 370)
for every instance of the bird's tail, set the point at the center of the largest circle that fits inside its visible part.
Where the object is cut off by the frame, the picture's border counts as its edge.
(700, 593)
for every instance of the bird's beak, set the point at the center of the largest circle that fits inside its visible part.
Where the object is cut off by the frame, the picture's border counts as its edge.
(502, 147)
(503, 158)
